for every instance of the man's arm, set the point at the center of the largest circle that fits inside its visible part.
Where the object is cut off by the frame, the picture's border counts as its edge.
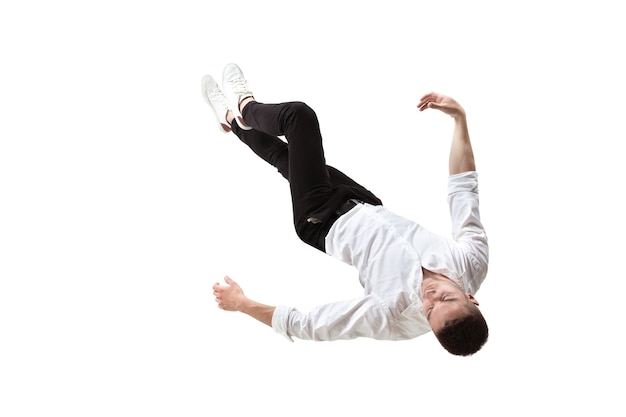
(461, 154)
(231, 298)
(467, 228)
(360, 317)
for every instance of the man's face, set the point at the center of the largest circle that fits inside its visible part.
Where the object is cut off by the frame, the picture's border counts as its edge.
(443, 300)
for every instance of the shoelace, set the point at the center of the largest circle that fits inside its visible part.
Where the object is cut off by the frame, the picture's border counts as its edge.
(216, 96)
(238, 85)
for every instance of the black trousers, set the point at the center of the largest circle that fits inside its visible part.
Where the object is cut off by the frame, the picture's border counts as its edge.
(317, 190)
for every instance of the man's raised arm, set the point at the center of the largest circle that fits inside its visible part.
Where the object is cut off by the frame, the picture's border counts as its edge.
(461, 154)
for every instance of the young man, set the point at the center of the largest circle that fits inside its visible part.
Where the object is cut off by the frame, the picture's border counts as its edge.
(414, 281)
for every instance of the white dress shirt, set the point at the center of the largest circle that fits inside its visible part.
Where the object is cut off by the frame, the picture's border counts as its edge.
(389, 252)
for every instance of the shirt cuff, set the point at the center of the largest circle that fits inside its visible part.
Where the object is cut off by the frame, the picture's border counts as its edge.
(463, 182)
(280, 318)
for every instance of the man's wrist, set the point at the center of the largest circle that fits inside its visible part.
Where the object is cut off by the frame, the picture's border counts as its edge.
(244, 304)
(460, 116)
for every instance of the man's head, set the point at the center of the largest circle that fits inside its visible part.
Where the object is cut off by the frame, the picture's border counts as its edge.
(454, 316)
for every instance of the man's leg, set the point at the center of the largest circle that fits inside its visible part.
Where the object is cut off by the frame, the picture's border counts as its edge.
(269, 148)
(308, 175)
(301, 161)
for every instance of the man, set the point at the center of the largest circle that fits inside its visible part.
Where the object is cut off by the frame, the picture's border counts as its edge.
(414, 281)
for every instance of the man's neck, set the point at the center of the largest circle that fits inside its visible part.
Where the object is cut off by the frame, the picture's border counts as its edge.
(430, 274)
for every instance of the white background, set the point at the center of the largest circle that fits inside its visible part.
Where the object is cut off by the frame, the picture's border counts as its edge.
(121, 203)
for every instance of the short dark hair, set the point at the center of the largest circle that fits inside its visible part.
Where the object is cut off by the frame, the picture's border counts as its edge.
(464, 336)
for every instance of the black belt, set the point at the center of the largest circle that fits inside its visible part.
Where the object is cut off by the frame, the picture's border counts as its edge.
(347, 206)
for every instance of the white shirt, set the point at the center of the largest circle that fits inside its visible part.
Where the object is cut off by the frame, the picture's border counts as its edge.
(389, 252)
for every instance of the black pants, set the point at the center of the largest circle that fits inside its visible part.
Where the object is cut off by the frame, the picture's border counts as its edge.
(317, 190)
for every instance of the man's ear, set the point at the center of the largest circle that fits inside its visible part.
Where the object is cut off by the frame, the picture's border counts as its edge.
(472, 299)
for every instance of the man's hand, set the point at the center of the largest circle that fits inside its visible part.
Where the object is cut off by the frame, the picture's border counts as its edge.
(228, 297)
(443, 103)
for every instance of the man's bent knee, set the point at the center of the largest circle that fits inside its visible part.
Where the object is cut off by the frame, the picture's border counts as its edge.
(300, 112)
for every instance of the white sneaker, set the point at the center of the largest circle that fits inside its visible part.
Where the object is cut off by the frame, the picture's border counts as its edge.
(236, 89)
(217, 100)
